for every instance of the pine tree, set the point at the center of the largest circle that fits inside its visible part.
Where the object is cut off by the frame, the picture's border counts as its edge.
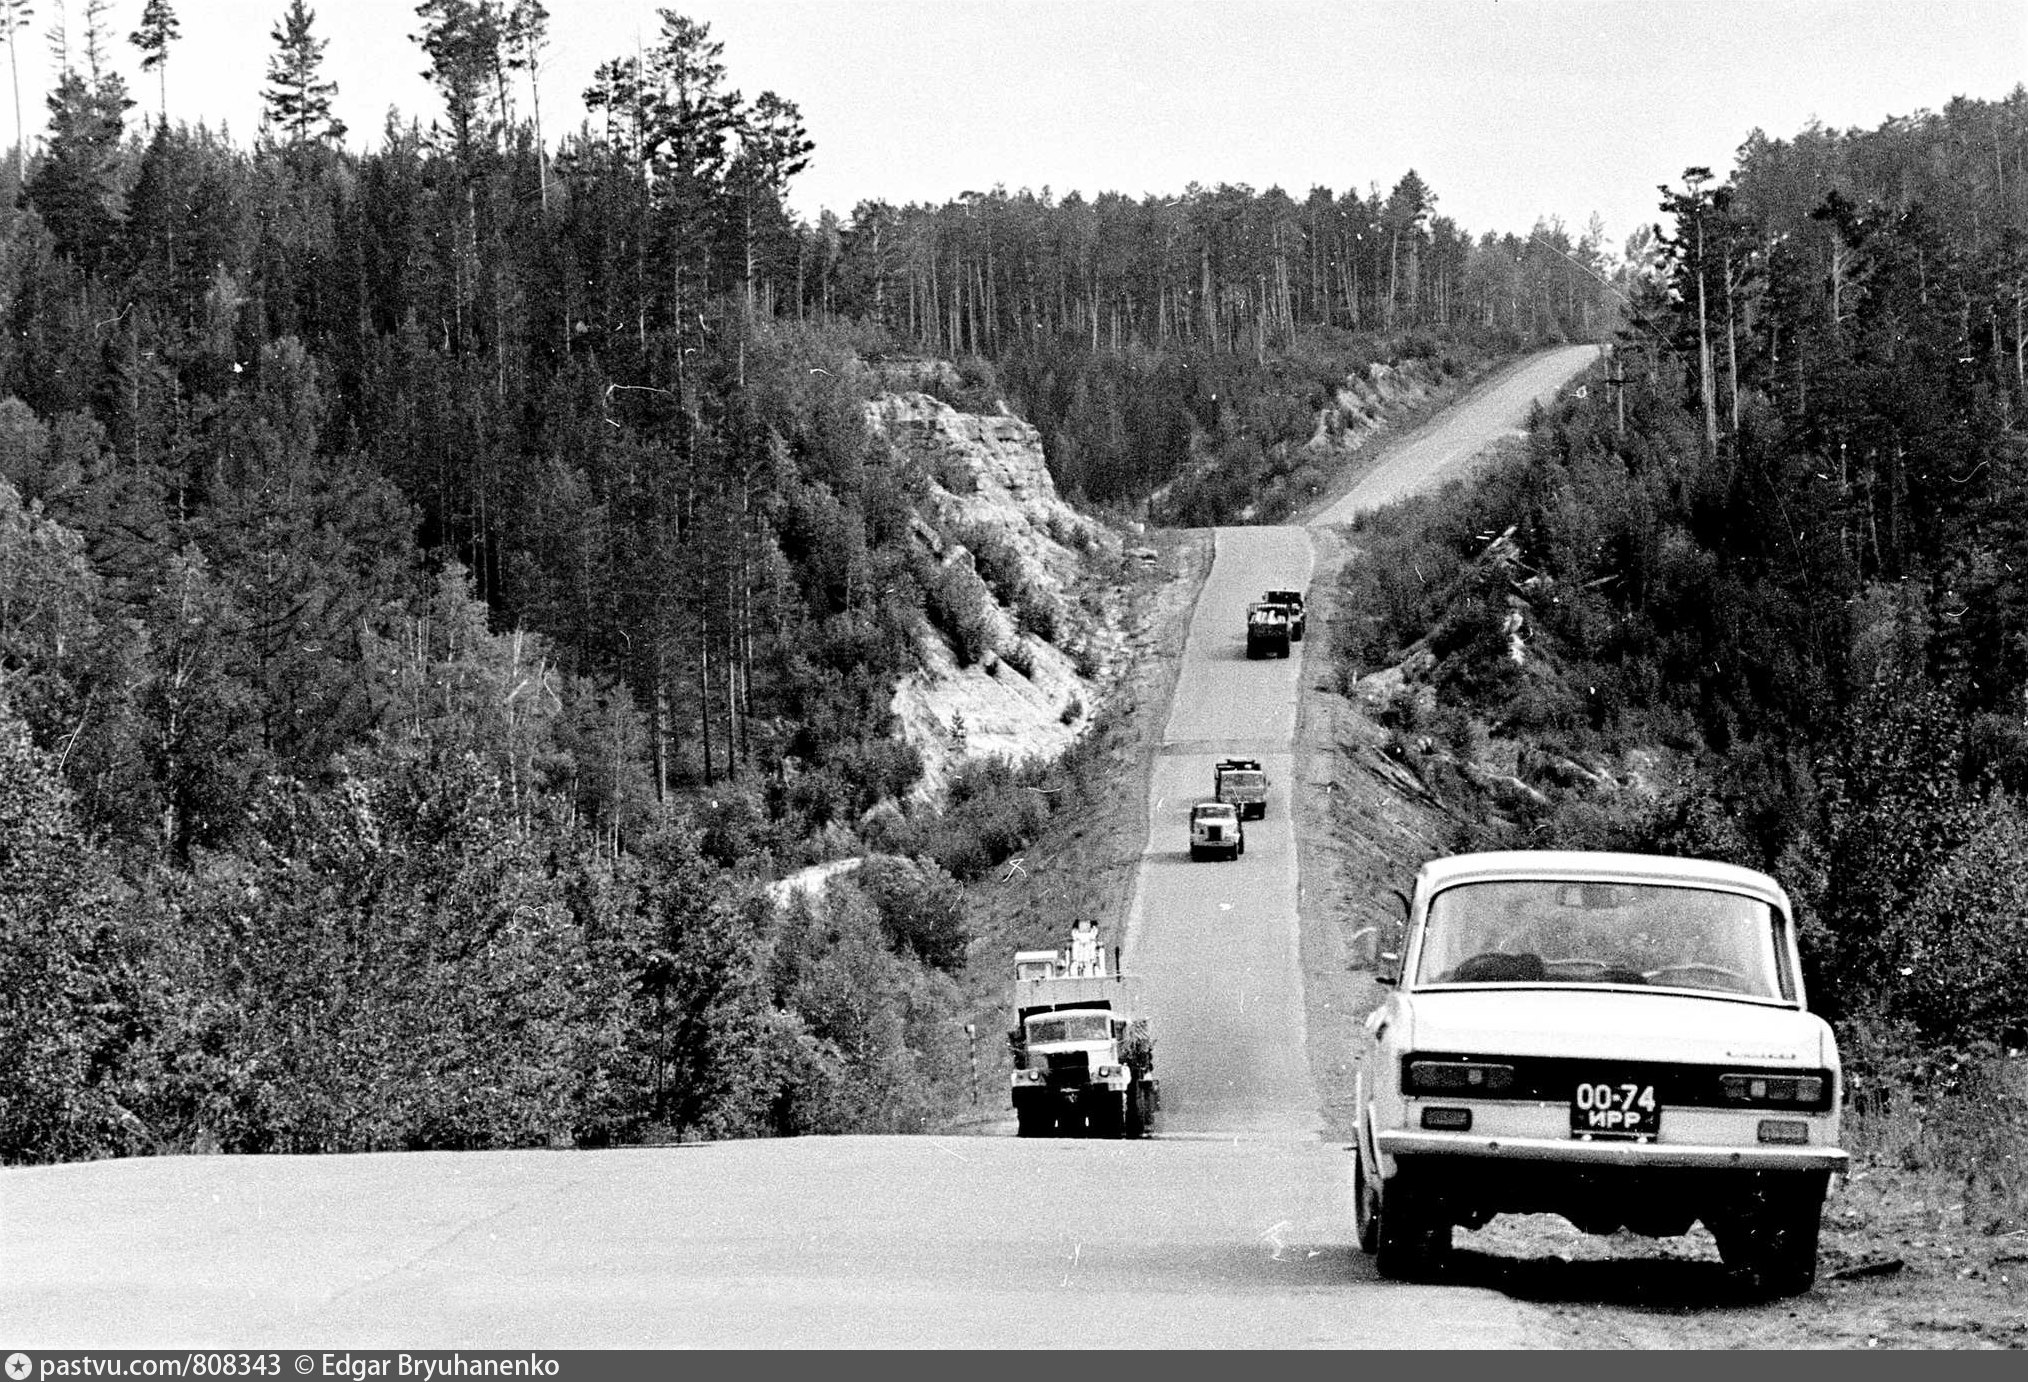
(75, 188)
(525, 36)
(295, 99)
(158, 30)
(14, 17)
(463, 41)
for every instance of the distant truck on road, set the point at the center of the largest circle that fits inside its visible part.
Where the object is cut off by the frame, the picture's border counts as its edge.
(1292, 601)
(1083, 1063)
(1241, 782)
(1267, 631)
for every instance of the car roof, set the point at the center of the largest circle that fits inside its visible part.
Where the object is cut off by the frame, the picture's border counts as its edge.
(1220, 807)
(1582, 864)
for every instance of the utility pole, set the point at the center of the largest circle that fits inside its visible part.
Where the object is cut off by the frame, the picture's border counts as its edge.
(1616, 380)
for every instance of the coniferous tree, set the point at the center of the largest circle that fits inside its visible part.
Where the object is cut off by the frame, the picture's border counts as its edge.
(75, 187)
(524, 38)
(14, 17)
(296, 99)
(462, 39)
(158, 30)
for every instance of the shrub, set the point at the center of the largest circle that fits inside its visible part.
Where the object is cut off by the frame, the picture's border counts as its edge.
(954, 600)
(1018, 656)
(921, 907)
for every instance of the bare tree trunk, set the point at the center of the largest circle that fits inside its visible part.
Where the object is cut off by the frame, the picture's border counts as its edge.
(1705, 383)
(704, 688)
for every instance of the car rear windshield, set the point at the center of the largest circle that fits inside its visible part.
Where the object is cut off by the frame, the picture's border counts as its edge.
(1070, 1027)
(1602, 933)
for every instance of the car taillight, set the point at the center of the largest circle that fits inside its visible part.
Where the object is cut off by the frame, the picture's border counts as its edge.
(1458, 1077)
(1774, 1091)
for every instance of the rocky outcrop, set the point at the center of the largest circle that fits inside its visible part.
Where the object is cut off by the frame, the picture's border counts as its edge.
(1031, 695)
(1362, 404)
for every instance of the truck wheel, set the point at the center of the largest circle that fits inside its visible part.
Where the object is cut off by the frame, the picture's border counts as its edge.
(1196, 855)
(1239, 849)
(1139, 1114)
(1413, 1237)
(1769, 1239)
(1033, 1123)
(1109, 1118)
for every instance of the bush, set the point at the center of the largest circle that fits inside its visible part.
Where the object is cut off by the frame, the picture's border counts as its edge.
(1018, 656)
(954, 600)
(921, 907)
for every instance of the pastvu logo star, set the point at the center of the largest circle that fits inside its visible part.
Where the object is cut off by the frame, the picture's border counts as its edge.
(19, 1365)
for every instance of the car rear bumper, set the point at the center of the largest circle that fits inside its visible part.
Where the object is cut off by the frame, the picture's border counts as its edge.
(1572, 1151)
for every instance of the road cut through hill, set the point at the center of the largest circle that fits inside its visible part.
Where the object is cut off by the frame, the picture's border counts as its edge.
(1230, 1229)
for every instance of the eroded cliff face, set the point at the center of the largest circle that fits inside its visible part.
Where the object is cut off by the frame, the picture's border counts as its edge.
(1364, 404)
(1032, 694)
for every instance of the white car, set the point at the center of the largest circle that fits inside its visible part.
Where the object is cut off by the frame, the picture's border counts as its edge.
(1619, 1039)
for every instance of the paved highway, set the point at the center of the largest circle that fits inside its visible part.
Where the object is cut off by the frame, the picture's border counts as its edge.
(1444, 448)
(1230, 1229)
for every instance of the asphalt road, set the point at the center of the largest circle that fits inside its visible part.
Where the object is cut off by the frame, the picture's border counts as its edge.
(1444, 448)
(1231, 1228)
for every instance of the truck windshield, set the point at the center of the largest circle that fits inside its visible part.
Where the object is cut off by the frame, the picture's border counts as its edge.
(1070, 1027)
(1233, 779)
(1610, 933)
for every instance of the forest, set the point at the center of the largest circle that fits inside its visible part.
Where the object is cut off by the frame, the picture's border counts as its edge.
(443, 579)
(1768, 581)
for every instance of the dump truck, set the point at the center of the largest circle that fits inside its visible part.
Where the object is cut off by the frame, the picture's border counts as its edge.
(1084, 1064)
(1292, 601)
(1241, 782)
(1267, 631)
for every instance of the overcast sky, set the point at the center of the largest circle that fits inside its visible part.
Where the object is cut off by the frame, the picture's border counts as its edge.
(1510, 109)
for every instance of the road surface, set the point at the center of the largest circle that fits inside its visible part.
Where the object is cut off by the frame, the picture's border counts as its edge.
(1231, 1228)
(1444, 448)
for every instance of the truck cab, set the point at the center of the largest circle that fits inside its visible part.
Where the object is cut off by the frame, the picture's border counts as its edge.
(1241, 782)
(1267, 631)
(1291, 601)
(1215, 828)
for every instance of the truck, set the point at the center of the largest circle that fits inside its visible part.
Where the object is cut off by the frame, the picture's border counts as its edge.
(1292, 601)
(1084, 1064)
(1216, 828)
(1241, 782)
(1267, 630)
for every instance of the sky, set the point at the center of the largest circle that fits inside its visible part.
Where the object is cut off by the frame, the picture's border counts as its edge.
(1511, 110)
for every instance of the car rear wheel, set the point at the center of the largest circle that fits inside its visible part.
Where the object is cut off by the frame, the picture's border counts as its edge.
(1365, 1205)
(1413, 1237)
(1770, 1238)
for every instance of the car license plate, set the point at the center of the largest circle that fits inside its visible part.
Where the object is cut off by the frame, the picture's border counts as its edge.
(1615, 1109)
